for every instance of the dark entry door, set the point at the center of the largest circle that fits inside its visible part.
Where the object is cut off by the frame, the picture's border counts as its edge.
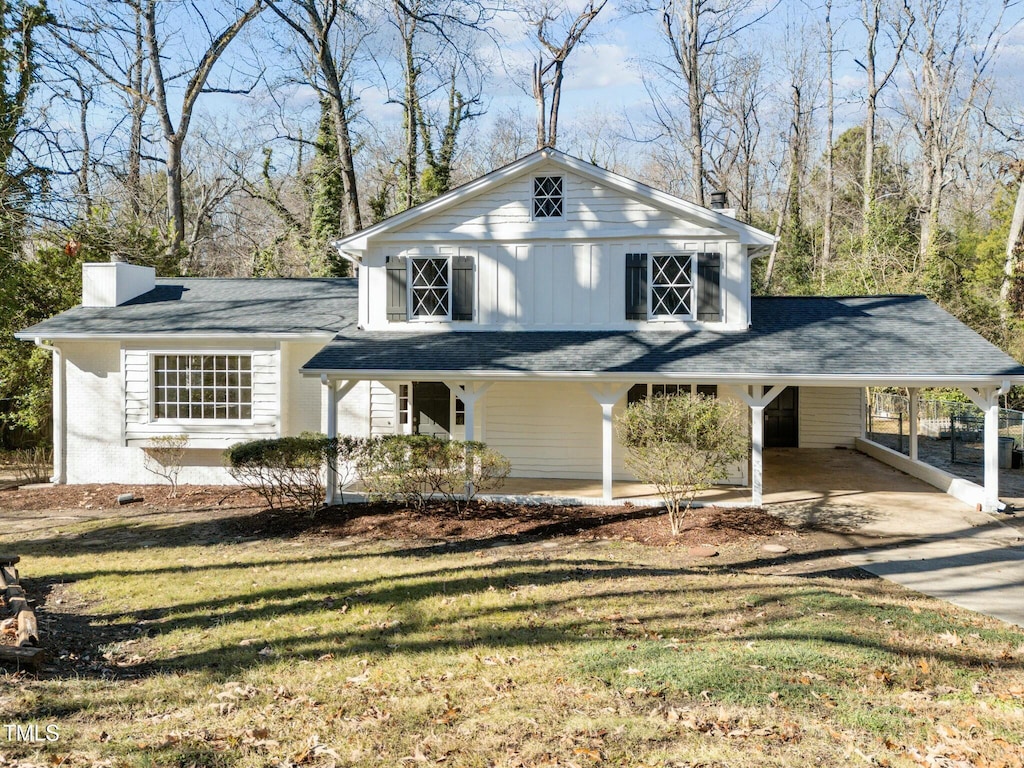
(781, 429)
(431, 403)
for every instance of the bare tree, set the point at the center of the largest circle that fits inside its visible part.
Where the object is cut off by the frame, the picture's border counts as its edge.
(332, 35)
(828, 204)
(549, 68)
(894, 23)
(699, 34)
(948, 59)
(196, 83)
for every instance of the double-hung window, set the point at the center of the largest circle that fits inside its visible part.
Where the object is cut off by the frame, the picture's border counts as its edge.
(430, 288)
(672, 286)
(202, 387)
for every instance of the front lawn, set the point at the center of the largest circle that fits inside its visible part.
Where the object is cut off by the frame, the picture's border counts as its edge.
(188, 640)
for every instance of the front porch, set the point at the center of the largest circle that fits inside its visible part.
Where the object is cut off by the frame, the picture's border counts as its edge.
(840, 488)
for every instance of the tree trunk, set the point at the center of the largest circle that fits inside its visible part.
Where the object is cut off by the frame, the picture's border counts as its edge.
(696, 103)
(556, 98)
(175, 199)
(1010, 264)
(539, 98)
(830, 173)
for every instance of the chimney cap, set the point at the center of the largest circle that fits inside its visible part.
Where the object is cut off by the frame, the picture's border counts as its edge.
(719, 200)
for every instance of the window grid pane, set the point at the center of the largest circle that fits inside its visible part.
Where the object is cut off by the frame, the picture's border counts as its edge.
(202, 387)
(430, 289)
(547, 197)
(671, 286)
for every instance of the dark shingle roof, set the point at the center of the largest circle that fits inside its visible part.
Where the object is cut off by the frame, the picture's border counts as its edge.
(883, 336)
(203, 306)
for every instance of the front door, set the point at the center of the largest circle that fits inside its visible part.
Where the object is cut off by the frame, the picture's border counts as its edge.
(781, 429)
(431, 409)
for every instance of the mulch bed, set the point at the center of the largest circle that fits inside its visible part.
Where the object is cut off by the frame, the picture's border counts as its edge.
(244, 513)
(706, 526)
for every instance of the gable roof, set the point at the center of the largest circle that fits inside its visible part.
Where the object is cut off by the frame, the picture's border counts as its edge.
(856, 339)
(548, 157)
(281, 307)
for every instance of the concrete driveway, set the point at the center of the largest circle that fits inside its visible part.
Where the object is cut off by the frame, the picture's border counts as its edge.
(912, 534)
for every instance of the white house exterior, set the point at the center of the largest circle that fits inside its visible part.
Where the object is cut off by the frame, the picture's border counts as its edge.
(524, 309)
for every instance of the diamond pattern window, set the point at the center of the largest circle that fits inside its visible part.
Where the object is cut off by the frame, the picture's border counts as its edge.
(202, 387)
(672, 285)
(547, 197)
(431, 288)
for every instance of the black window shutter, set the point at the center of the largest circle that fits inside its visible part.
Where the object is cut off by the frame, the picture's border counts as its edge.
(397, 277)
(462, 288)
(636, 286)
(709, 287)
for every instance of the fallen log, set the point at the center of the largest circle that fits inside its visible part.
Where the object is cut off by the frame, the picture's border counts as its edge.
(17, 602)
(31, 657)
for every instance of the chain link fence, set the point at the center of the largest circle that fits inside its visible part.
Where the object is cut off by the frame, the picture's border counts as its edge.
(962, 424)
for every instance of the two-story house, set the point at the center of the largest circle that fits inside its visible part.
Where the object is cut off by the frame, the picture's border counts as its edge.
(525, 309)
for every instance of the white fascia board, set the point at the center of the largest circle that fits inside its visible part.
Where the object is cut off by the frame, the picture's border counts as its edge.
(357, 242)
(816, 380)
(748, 235)
(328, 335)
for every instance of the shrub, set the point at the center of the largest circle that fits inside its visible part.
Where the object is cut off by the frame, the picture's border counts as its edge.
(165, 456)
(682, 444)
(284, 468)
(343, 454)
(28, 465)
(417, 468)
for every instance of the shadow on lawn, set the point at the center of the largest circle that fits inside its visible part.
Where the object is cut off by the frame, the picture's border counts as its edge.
(353, 617)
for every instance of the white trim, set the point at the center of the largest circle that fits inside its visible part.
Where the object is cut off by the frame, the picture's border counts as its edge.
(175, 335)
(200, 422)
(533, 197)
(748, 235)
(662, 319)
(750, 378)
(410, 315)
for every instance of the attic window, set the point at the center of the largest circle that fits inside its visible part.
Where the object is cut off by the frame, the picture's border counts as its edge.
(547, 197)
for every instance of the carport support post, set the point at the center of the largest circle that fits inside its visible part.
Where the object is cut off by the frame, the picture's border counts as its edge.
(914, 401)
(607, 396)
(756, 398)
(987, 399)
(334, 394)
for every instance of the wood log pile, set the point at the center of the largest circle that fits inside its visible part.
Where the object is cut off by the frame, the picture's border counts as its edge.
(22, 624)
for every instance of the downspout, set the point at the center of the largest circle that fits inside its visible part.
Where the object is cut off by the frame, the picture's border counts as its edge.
(60, 409)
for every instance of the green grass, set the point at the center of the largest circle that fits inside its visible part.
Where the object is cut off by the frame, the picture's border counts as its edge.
(297, 651)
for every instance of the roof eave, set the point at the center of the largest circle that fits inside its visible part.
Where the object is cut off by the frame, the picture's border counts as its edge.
(736, 379)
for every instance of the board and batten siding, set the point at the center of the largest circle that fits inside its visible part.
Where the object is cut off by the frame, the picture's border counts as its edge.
(830, 416)
(553, 284)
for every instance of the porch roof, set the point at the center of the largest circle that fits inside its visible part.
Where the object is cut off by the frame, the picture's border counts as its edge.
(869, 339)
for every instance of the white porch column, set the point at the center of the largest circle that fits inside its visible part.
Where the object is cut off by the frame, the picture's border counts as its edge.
(334, 392)
(756, 398)
(607, 396)
(470, 394)
(914, 401)
(987, 398)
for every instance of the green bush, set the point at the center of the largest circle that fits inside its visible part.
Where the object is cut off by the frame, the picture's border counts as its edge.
(284, 469)
(417, 468)
(682, 444)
